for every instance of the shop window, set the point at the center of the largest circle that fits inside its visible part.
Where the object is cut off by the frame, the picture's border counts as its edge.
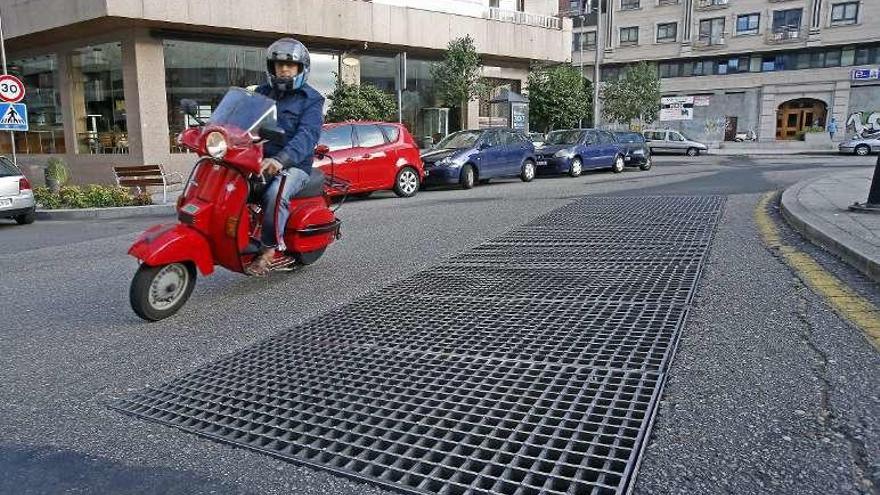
(43, 100)
(832, 58)
(98, 99)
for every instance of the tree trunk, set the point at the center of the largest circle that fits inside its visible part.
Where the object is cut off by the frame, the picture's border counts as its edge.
(463, 114)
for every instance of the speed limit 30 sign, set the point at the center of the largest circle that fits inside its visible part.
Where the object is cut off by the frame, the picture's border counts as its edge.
(11, 89)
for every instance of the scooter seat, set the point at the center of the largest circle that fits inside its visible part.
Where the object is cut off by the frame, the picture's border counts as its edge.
(314, 187)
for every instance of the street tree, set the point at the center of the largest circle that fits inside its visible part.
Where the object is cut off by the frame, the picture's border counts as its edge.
(457, 78)
(360, 102)
(635, 96)
(559, 97)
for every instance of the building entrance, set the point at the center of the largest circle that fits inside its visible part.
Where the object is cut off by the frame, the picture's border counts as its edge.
(795, 116)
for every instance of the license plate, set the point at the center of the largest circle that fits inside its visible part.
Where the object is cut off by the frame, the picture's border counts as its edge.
(5, 202)
(542, 162)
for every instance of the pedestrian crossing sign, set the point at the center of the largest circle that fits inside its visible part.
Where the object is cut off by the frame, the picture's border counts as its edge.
(13, 117)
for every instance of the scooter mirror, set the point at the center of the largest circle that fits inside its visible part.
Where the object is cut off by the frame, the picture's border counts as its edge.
(189, 107)
(321, 150)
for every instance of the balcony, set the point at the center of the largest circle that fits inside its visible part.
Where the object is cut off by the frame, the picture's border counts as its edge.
(710, 41)
(786, 35)
(712, 4)
(524, 18)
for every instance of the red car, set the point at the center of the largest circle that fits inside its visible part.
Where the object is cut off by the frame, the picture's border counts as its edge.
(372, 156)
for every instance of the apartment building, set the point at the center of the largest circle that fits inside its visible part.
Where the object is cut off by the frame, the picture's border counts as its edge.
(104, 78)
(780, 68)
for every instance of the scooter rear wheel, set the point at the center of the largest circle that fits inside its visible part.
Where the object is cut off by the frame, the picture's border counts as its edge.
(158, 292)
(308, 258)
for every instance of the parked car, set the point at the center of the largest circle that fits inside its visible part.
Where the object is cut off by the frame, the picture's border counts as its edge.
(634, 148)
(16, 195)
(667, 141)
(572, 151)
(372, 156)
(862, 146)
(466, 157)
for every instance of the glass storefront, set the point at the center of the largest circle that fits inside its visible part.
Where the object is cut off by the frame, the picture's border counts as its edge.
(98, 99)
(43, 100)
(205, 71)
(421, 115)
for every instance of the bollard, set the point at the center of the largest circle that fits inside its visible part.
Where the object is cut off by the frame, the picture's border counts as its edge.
(873, 203)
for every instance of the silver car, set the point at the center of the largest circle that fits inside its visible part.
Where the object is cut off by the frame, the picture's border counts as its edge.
(667, 141)
(16, 196)
(862, 146)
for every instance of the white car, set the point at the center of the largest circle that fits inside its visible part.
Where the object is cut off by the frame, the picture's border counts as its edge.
(862, 146)
(16, 195)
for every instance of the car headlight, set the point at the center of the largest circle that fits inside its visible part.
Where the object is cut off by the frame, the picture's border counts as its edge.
(450, 162)
(566, 153)
(639, 152)
(216, 145)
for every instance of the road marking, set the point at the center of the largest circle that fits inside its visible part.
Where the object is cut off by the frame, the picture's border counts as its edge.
(844, 300)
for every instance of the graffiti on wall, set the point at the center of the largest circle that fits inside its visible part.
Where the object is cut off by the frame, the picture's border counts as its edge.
(863, 123)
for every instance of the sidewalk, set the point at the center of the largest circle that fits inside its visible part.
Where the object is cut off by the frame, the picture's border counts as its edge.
(817, 208)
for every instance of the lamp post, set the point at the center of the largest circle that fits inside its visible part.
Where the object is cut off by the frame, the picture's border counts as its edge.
(3, 60)
(596, 68)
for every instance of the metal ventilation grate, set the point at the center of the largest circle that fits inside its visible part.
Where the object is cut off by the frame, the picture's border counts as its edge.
(531, 364)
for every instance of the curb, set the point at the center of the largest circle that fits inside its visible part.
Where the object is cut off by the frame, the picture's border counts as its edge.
(106, 213)
(807, 225)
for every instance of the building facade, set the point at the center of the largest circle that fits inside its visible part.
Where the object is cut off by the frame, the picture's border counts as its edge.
(779, 68)
(104, 78)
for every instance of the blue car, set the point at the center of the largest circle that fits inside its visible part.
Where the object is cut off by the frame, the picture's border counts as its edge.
(466, 157)
(571, 151)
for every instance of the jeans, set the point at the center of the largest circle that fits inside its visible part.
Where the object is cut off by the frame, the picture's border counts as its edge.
(276, 210)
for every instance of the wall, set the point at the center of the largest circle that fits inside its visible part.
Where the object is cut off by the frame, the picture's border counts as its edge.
(864, 99)
(708, 123)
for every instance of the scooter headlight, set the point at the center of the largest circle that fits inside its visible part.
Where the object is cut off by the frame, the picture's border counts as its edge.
(216, 145)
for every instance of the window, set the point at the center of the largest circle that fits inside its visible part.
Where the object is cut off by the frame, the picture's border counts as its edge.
(787, 20)
(629, 4)
(845, 13)
(605, 138)
(670, 69)
(391, 132)
(591, 139)
(655, 135)
(629, 137)
(832, 58)
(99, 99)
(337, 138)
(583, 40)
(674, 136)
(369, 136)
(712, 31)
(667, 31)
(46, 134)
(629, 35)
(748, 24)
(867, 56)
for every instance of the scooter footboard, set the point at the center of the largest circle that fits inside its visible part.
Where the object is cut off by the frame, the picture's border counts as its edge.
(173, 243)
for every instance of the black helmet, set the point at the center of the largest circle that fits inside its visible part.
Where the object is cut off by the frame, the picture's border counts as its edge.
(287, 50)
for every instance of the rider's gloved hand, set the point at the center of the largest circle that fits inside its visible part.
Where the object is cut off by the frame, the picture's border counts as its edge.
(270, 167)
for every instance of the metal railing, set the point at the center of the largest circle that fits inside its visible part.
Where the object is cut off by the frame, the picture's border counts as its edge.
(785, 35)
(712, 4)
(525, 18)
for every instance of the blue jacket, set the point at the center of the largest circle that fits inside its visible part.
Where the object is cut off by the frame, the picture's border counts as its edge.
(301, 115)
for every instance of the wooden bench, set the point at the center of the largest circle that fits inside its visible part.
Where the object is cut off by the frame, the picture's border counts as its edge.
(141, 176)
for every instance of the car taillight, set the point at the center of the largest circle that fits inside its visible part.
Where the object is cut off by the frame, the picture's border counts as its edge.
(24, 184)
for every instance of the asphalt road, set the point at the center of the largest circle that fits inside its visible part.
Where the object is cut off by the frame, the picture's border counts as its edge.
(770, 392)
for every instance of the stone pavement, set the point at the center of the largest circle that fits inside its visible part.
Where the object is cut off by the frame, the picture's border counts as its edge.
(818, 209)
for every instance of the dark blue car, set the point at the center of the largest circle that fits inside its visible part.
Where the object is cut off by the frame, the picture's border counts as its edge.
(571, 151)
(466, 157)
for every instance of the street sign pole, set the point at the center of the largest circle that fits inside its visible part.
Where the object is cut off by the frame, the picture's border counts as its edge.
(596, 67)
(3, 59)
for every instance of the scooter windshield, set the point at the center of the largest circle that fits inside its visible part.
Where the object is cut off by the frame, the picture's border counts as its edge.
(245, 110)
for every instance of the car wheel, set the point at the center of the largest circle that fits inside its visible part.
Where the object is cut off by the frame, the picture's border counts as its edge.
(406, 185)
(692, 152)
(619, 164)
(527, 173)
(862, 150)
(577, 167)
(647, 165)
(468, 177)
(26, 219)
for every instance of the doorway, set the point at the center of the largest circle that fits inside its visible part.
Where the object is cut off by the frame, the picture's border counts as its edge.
(794, 117)
(730, 128)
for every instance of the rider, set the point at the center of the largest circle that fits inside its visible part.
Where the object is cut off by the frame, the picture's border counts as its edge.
(300, 115)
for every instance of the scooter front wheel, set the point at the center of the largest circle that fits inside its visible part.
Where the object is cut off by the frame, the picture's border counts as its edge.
(158, 292)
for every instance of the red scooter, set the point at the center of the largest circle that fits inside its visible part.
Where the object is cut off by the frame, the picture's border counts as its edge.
(219, 211)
